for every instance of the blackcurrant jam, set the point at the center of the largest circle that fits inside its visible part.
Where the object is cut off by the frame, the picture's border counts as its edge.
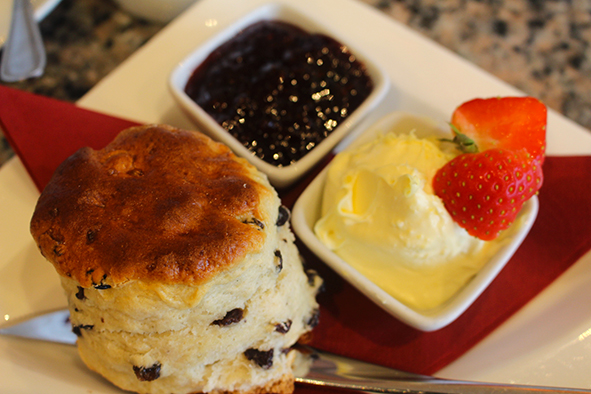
(279, 90)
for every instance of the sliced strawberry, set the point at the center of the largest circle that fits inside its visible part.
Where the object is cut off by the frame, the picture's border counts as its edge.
(484, 191)
(511, 123)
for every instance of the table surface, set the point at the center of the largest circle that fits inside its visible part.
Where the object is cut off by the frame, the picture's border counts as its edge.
(540, 47)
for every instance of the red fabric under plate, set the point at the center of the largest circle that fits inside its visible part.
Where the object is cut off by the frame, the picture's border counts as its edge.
(44, 132)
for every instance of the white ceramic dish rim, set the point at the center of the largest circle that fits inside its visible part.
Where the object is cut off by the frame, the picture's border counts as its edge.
(306, 212)
(279, 176)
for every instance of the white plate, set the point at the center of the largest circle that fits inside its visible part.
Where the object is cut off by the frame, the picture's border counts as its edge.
(547, 342)
(41, 7)
(306, 213)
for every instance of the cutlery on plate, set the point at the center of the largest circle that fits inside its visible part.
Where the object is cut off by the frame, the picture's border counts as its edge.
(319, 368)
(24, 54)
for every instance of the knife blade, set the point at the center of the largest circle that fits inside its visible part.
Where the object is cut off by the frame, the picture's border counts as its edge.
(52, 326)
(315, 367)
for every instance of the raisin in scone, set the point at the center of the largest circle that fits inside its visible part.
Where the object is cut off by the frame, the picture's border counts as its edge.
(178, 263)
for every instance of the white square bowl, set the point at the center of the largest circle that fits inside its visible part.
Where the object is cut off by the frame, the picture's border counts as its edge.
(307, 211)
(286, 175)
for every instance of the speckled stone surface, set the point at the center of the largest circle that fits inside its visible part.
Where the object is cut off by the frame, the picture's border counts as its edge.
(541, 47)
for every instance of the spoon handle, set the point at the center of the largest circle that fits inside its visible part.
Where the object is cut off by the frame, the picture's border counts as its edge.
(24, 54)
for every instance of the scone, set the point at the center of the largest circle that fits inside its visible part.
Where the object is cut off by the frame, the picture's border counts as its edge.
(178, 263)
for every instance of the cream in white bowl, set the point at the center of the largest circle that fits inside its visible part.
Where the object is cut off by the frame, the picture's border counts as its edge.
(384, 230)
(282, 174)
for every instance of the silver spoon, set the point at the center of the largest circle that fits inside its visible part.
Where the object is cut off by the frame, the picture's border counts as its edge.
(24, 54)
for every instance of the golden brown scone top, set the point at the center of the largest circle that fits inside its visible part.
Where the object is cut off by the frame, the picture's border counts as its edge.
(157, 204)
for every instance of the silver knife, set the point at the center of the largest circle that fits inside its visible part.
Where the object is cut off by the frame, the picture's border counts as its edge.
(324, 369)
(52, 326)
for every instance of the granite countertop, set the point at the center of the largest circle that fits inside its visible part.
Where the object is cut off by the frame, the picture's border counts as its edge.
(540, 47)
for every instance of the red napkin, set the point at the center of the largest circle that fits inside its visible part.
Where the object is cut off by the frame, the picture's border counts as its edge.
(44, 132)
